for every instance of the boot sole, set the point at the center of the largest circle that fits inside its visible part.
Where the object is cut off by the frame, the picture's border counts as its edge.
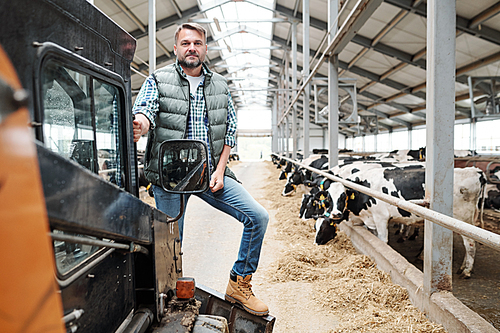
(233, 300)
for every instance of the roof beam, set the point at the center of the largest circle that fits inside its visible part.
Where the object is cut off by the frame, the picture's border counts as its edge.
(484, 15)
(167, 21)
(463, 24)
(271, 20)
(138, 23)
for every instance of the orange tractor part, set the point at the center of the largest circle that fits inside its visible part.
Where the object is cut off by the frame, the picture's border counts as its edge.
(29, 294)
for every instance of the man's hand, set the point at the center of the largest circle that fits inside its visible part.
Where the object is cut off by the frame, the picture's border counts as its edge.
(141, 126)
(217, 181)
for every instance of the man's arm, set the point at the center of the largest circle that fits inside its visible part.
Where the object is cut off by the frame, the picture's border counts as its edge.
(141, 126)
(145, 108)
(217, 180)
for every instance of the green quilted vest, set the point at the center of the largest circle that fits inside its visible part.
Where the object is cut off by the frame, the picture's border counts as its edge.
(172, 118)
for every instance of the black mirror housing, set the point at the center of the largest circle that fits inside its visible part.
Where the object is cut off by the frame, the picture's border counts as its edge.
(184, 166)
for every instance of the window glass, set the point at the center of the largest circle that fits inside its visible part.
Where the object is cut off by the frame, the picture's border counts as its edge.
(69, 255)
(67, 117)
(69, 127)
(107, 106)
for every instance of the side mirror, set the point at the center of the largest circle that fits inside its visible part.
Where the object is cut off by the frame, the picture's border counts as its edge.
(183, 166)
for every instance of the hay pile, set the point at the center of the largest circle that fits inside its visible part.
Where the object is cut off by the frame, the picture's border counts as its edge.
(345, 282)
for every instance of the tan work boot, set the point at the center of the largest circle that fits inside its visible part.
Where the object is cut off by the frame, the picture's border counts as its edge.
(240, 291)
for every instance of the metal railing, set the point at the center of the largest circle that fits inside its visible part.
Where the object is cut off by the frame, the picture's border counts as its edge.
(485, 237)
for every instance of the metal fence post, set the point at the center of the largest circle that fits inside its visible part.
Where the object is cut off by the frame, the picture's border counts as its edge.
(441, 31)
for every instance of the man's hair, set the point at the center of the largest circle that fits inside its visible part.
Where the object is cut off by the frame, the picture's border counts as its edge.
(191, 26)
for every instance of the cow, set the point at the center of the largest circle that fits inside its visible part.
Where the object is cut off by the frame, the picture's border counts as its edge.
(288, 168)
(300, 175)
(457, 153)
(402, 182)
(492, 191)
(322, 183)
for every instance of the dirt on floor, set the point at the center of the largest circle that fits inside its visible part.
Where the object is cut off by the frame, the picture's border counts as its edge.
(346, 284)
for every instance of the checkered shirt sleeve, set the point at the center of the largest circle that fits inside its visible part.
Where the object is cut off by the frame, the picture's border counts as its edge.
(232, 123)
(147, 101)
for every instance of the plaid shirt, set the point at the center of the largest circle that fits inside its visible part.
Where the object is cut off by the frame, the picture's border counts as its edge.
(147, 104)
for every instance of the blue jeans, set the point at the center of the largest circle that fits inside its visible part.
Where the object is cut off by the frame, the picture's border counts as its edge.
(234, 200)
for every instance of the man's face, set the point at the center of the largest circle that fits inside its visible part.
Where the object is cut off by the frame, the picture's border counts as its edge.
(190, 48)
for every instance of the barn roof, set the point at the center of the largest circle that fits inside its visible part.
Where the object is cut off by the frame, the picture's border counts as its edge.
(250, 41)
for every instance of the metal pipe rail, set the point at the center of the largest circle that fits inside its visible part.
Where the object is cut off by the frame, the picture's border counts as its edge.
(485, 237)
(96, 242)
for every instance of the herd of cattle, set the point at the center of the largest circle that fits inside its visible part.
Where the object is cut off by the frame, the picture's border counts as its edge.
(400, 174)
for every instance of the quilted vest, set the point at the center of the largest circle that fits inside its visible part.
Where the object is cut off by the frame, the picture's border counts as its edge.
(172, 118)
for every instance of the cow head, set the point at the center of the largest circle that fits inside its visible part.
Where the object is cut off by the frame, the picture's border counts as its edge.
(306, 198)
(337, 195)
(337, 201)
(286, 171)
(283, 175)
(294, 179)
(313, 204)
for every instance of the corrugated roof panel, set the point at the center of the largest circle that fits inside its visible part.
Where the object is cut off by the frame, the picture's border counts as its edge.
(410, 101)
(383, 15)
(409, 76)
(349, 52)
(470, 9)
(408, 36)
(470, 49)
(382, 90)
(490, 70)
(376, 62)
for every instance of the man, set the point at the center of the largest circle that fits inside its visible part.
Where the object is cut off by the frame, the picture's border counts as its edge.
(187, 100)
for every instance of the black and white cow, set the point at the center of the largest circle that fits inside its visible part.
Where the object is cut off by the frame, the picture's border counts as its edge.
(312, 206)
(299, 175)
(401, 182)
(492, 192)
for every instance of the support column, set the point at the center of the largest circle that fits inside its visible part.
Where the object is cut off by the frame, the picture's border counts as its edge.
(473, 143)
(287, 79)
(333, 89)
(441, 32)
(274, 127)
(410, 139)
(152, 36)
(305, 66)
(287, 136)
(282, 138)
(294, 87)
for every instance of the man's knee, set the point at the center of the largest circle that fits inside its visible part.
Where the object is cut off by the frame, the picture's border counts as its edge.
(262, 217)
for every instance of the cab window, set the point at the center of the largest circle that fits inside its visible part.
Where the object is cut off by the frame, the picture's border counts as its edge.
(70, 255)
(81, 119)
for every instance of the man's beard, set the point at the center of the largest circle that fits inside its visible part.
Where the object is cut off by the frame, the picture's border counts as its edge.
(191, 64)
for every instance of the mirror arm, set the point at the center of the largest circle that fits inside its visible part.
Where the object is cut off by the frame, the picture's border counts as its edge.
(170, 220)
